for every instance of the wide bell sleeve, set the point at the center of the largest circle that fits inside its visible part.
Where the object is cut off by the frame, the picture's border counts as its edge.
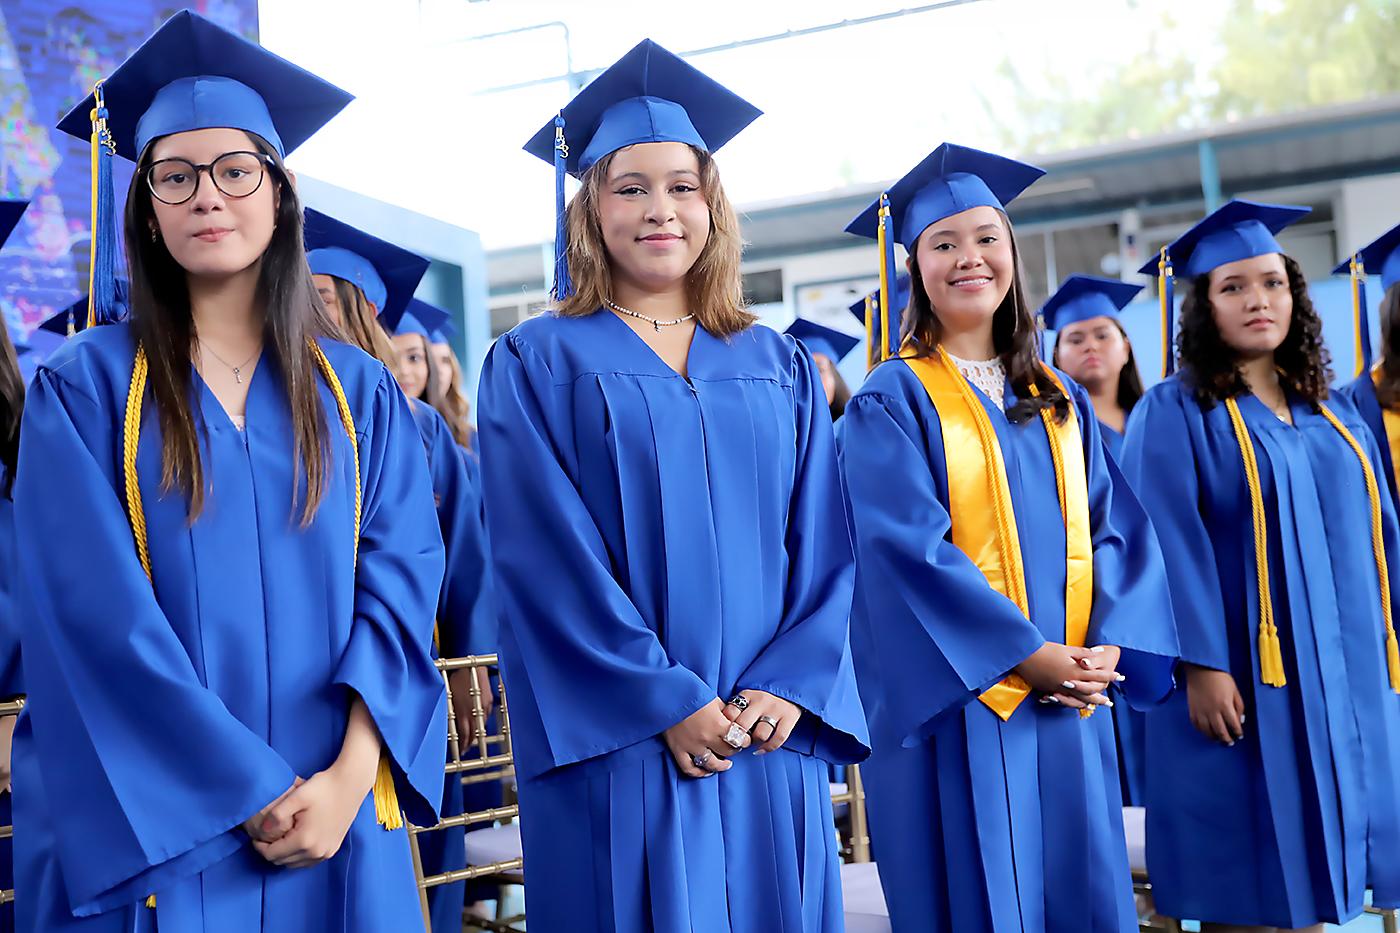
(388, 659)
(1159, 462)
(808, 662)
(586, 674)
(939, 635)
(1132, 601)
(135, 750)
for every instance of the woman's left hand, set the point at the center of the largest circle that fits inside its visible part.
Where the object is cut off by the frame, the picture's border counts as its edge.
(311, 822)
(779, 717)
(1093, 692)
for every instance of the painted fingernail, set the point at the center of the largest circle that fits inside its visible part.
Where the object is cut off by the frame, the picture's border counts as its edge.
(1097, 649)
(1067, 684)
(1052, 699)
(1107, 702)
(1242, 719)
(1120, 677)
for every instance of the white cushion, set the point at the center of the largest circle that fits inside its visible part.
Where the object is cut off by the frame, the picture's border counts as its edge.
(838, 809)
(494, 844)
(864, 898)
(1135, 828)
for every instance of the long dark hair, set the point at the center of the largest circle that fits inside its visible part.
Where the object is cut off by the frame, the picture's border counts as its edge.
(1209, 364)
(1013, 337)
(1388, 388)
(11, 407)
(1130, 390)
(162, 322)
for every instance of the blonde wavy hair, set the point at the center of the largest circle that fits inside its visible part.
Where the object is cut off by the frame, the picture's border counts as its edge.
(360, 324)
(452, 404)
(714, 283)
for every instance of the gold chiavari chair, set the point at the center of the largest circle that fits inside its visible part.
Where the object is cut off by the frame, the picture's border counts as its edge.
(7, 833)
(484, 756)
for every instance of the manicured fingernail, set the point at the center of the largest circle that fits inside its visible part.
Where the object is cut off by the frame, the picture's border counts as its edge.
(1120, 677)
(1097, 649)
(1067, 684)
(1241, 719)
(1052, 699)
(1107, 702)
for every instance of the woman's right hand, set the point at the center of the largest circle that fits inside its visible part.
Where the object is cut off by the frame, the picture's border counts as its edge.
(699, 735)
(1055, 670)
(1217, 709)
(253, 826)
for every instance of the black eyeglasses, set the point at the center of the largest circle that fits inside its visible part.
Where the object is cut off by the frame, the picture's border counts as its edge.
(234, 174)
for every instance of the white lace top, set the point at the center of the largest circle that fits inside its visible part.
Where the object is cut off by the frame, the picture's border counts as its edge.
(987, 375)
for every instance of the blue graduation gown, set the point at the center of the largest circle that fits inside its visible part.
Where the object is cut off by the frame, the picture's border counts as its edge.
(1128, 723)
(980, 824)
(658, 542)
(464, 627)
(160, 719)
(10, 682)
(1286, 827)
(1361, 392)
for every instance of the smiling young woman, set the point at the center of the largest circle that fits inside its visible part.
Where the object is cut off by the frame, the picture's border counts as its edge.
(673, 627)
(230, 709)
(1007, 579)
(1273, 780)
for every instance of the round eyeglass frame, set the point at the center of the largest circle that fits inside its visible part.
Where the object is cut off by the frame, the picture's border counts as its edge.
(264, 161)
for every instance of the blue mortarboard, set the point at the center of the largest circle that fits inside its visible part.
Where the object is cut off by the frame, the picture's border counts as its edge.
(444, 334)
(190, 74)
(1383, 254)
(648, 96)
(11, 210)
(440, 319)
(899, 300)
(419, 318)
(829, 342)
(951, 179)
(74, 318)
(1237, 230)
(1084, 297)
(387, 274)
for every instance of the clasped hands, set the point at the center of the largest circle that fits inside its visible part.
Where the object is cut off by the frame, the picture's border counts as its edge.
(1077, 678)
(704, 741)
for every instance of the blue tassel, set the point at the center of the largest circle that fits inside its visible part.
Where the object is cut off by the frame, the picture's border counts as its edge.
(102, 295)
(1363, 328)
(563, 287)
(1168, 316)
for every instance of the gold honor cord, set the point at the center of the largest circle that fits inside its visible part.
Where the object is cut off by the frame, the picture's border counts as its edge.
(882, 239)
(869, 333)
(983, 517)
(386, 801)
(1271, 671)
(1358, 272)
(1391, 419)
(1164, 273)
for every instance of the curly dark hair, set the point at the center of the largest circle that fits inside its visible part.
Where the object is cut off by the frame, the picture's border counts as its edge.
(1014, 337)
(1388, 387)
(1208, 364)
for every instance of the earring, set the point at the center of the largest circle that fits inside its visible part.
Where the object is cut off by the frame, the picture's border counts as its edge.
(155, 234)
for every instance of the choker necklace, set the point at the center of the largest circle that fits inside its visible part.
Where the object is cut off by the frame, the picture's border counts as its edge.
(650, 320)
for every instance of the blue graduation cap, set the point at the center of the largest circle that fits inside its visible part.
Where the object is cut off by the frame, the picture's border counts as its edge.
(649, 95)
(950, 179)
(818, 338)
(11, 210)
(868, 311)
(1237, 230)
(444, 333)
(1084, 297)
(1382, 253)
(418, 317)
(74, 318)
(387, 274)
(190, 74)
(427, 313)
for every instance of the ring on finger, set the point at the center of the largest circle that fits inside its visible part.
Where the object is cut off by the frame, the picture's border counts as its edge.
(768, 721)
(736, 737)
(701, 760)
(739, 701)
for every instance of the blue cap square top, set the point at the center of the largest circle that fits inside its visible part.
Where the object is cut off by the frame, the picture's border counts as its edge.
(385, 273)
(649, 95)
(1237, 230)
(191, 74)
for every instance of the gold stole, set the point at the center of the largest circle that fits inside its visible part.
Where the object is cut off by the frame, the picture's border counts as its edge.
(1391, 419)
(980, 508)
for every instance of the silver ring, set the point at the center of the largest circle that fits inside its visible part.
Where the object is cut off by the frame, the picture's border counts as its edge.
(739, 701)
(768, 719)
(700, 760)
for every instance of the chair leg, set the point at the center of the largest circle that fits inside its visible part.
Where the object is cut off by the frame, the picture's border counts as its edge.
(1390, 920)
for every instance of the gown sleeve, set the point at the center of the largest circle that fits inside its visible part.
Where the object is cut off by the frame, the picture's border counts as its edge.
(114, 697)
(1132, 601)
(939, 634)
(593, 677)
(11, 684)
(388, 659)
(808, 662)
(1160, 463)
(464, 627)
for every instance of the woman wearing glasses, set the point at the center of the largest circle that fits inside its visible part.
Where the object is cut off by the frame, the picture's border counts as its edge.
(230, 549)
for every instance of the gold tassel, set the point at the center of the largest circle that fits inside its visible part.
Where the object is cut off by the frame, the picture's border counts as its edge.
(386, 798)
(151, 901)
(1270, 655)
(1392, 657)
